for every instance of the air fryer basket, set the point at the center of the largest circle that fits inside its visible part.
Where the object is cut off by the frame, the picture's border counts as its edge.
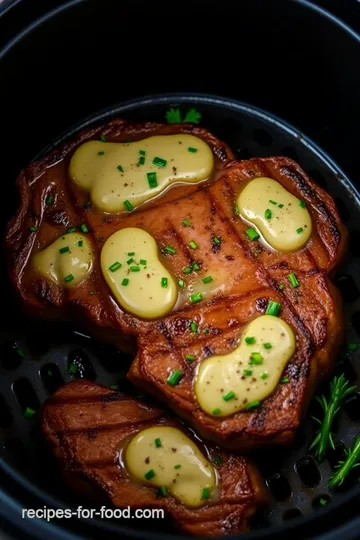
(34, 356)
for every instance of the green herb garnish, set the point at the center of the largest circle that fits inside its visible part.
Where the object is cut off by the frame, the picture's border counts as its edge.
(158, 442)
(192, 150)
(189, 357)
(273, 308)
(150, 474)
(181, 283)
(120, 168)
(256, 359)
(268, 213)
(207, 279)
(128, 205)
(163, 491)
(247, 372)
(293, 280)
(187, 270)
(115, 266)
(299, 230)
(205, 493)
(250, 340)
(252, 234)
(33, 228)
(152, 179)
(252, 405)
(216, 411)
(194, 327)
(267, 345)
(164, 282)
(68, 278)
(80, 243)
(174, 378)
(134, 268)
(125, 282)
(103, 138)
(49, 200)
(173, 116)
(285, 380)
(302, 204)
(170, 250)
(197, 297)
(159, 162)
(230, 395)
(29, 413)
(64, 249)
(192, 244)
(352, 460)
(186, 222)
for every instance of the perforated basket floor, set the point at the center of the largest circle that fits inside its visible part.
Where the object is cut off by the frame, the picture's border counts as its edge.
(35, 357)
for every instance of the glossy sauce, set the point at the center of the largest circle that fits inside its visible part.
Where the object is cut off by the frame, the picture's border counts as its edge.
(166, 458)
(281, 218)
(231, 382)
(121, 176)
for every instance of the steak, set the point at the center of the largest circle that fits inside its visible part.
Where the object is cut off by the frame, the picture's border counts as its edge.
(250, 275)
(86, 424)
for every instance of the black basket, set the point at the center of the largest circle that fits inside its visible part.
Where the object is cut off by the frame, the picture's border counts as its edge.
(280, 65)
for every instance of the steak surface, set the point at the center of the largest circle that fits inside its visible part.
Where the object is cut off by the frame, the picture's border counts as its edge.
(86, 425)
(250, 275)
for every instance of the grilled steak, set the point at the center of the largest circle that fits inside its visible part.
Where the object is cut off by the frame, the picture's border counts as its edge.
(87, 424)
(248, 275)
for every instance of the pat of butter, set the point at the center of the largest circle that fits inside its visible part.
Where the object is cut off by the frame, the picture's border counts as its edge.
(166, 458)
(67, 261)
(282, 219)
(132, 269)
(231, 382)
(132, 173)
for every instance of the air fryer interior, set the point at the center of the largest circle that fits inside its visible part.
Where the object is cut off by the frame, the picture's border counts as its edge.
(267, 60)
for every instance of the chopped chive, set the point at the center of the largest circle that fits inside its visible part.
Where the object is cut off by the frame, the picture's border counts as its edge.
(252, 234)
(205, 493)
(73, 368)
(125, 282)
(192, 244)
(142, 152)
(143, 262)
(134, 268)
(150, 474)
(174, 378)
(80, 243)
(256, 359)
(159, 162)
(68, 278)
(252, 405)
(129, 261)
(163, 491)
(115, 266)
(247, 372)
(114, 387)
(152, 180)
(268, 213)
(206, 331)
(216, 240)
(273, 308)
(128, 205)
(20, 352)
(177, 467)
(164, 282)
(103, 138)
(170, 250)
(71, 229)
(299, 230)
(186, 222)
(281, 286)
(264, 375)
(216, 411)
(293, 280)
(280, 205)
(195, 298)
(272, 202)
(181, 283)
(131, 253)
(302, 204)
(87, 205)
(49, 200)
(322, 502)
(230, 395)
(33, 228)
(29, 413)
(284, 380)
(101, 153)
(195, 266)
(120, 168)
(194, 327)
(187, 270)
(207, 279)
(192, 150)
(84, 228)
(141, 160)
(267, 345)
(217, 460)
(158, 442)
(189, 357)
(236, 211)
(49, 373)
(250, 340)
(352, 347)
(64, 249)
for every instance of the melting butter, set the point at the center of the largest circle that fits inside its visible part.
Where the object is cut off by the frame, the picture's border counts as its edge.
(132, 269)
(166, 458)
(229, 383)
(67, 261)
(281, 218)
(135, 172)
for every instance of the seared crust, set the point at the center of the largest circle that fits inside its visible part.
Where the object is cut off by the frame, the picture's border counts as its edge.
(87, 424)
(50, 175)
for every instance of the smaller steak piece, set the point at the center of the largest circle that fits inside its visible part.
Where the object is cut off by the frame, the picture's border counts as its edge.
(87, 424)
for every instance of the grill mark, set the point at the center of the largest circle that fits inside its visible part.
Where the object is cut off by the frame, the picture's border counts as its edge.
(179, 240)
(102, 429)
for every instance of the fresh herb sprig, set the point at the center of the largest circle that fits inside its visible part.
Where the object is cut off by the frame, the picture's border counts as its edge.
(339, 389)
(173, 116)
(352, 460)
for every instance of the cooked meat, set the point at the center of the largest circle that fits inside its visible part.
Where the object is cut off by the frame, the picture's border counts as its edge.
(247, 275)
(49, 176)
(87, 425)
(252, 278)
